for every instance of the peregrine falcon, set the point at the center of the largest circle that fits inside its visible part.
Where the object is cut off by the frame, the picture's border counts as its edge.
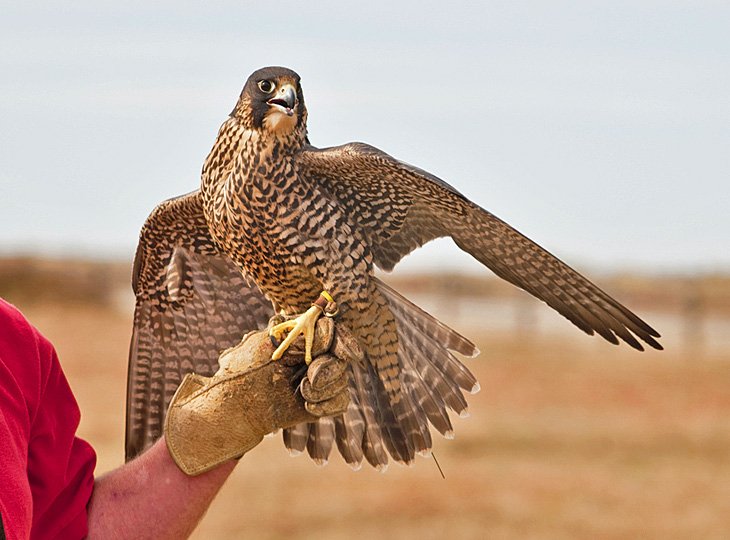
(275, 223)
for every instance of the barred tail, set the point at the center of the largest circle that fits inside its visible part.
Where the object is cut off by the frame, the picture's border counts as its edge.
(406, 384)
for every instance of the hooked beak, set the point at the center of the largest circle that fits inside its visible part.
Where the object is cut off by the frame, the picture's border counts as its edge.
(285, 99)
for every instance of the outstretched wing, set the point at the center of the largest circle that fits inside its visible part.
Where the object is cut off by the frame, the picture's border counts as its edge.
(192, 302)
(400, 207)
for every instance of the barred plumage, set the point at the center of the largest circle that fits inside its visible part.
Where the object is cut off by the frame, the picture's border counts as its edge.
(278, 219)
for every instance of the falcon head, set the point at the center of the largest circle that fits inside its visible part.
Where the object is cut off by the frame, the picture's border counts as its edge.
(272, 101)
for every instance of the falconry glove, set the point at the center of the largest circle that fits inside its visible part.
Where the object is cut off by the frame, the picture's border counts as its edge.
(213, 419)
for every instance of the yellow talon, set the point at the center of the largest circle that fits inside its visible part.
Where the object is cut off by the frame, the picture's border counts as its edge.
(302, 325)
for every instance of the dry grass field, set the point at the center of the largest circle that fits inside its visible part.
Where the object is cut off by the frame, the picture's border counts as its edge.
(570, 437)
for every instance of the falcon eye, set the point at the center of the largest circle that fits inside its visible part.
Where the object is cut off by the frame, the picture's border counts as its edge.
(266, 86)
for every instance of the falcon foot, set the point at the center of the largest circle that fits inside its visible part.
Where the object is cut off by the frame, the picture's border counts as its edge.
(303, 325)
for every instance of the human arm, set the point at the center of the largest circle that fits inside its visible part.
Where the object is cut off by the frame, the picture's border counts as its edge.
(46, 472)
(214, 419)
(150, 497)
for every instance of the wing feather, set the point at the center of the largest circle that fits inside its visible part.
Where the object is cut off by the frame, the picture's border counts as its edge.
(400, 207)
(191, 303)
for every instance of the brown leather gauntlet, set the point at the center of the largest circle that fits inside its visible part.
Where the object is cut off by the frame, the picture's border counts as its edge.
(213, 419)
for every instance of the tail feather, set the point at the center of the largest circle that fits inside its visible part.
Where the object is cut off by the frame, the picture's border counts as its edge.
(430, 339)
(349, 433)
(415, 317)
(427, 386)
(429, 402)
(434, 363)
(321, 439)
(398, 443)
(373, 445)
(295, 438)
(413, 422)
(431, 378)
(375, 425)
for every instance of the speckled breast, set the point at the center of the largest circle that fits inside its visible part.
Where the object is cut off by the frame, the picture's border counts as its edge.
(253, 215)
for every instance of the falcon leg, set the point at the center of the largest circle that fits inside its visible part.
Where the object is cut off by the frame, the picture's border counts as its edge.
(301, 325)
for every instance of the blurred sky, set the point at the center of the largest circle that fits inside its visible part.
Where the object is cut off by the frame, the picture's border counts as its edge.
(599, 129)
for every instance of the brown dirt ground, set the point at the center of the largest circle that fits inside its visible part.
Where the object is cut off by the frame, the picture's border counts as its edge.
(567, 439)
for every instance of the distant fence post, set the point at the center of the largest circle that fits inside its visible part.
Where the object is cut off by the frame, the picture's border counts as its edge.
(692, 315)
(525, 322)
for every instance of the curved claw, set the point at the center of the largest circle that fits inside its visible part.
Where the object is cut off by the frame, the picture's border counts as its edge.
(302, 325)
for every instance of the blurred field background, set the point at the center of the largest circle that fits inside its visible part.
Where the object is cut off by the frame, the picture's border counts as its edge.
(598, 128)
(570, 437)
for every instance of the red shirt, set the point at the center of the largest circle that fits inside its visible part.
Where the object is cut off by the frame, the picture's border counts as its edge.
(46, 472)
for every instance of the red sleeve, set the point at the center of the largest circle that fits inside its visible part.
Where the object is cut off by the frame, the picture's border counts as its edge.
(47, 473)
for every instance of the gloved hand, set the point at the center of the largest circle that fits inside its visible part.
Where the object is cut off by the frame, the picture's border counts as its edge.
(213, 419)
